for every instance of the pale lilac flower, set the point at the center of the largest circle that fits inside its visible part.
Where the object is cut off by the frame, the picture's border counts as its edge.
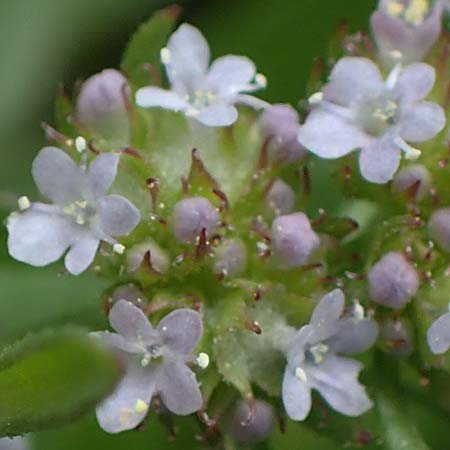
(315, 361)
(207, 93)
(155, 361)
(414, 176)
(439, 227)
(293, 240)
(358, 110)
(251, 423)
(101, 105)
(15, 443)
(280, 198)
(191, 216)
(230, 258)
(393, 281)
(405, 30)
(280, 124)
(80, 216)
(438, 335)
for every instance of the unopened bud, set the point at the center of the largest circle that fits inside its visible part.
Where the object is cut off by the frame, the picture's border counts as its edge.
(158, 257)
(439, 227)
(294, 240)
(131, 294)
(280, 198)
(415, 177)
(191, 216)
(393, 281)
(231, 257)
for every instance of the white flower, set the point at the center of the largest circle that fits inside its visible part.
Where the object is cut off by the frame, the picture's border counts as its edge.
(80, 217)
(156, 364)
(361, 111)
(205, 93)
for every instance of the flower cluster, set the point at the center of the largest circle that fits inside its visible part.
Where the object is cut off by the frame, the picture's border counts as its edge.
(224, 246)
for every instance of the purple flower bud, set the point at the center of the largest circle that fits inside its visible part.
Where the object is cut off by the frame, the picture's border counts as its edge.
(393, 281)
(231, 258)
(293, 239)
(439, 227)
(413, 177)
(101, 105)
(251, 424)
(158, 257)
(191, 216)
(280, 122)
(131, 294)
(280, 198)
(397, 336)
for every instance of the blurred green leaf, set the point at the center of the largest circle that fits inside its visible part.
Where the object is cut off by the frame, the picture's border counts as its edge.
(50, 378)
(145, 46)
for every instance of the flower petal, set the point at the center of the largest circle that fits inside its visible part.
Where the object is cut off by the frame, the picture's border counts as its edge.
(330, 136)
(56, 175)
(218, 115)
(117, 341)
(329, 310)
(421, 122)
(130, 322)
(379, 161)
(337, 381)
(296, 396)
(102, 172)
(126, 407)
(415, 82)
(230, 74)
(352, 78)
(251, 101)
(81, 254)
(354, 336)
(181, 330)
(117, 215)
(150, 97)
(38, 238)
(188, 59)
(179, 388)
(438, 335)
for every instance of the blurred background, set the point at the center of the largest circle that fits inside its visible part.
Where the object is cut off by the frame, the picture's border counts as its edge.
(46, 43)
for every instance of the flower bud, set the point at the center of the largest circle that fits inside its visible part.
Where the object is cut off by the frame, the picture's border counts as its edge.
(415, 178)
(293, 239)
(281, 123)
(158, 257)
(280, 198)
(191, 216)
(251, 424)
(439, 227)
(393, 281)
(101, 105)
(397, 336)
(130, 293)
(231, 257)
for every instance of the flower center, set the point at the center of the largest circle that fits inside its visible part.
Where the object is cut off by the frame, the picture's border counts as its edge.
(317, 353)
(414, 12)
(377, 113)
(201, 98)
(151, 352)
(81, 211)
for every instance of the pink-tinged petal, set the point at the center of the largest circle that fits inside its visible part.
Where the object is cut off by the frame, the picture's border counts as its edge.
(56, 175)
(102, 172)
(379, 161)
(296, 395)
(151, 97)
(330, 136)
(38, 238)
(130, 322)
(422, 122)
(230, 74)
(127, 406)
(179, 389)
(352, 78)
(188, 59)
(438, 335)
(81, 254)
(117, 215)
(218, 115)
(181, 330)
(414, 83)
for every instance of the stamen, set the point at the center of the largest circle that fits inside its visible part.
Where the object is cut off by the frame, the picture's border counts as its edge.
(80, 144)
(411, 153)
(23, 203)
(315, 99)
(318, 352)
(358, 310)
(203, 360)
(393, 76)
(140, 406)
(300, 374)
(261, 80)
(166, 55)
(118, 248)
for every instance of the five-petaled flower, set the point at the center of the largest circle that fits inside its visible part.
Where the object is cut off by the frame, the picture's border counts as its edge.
(314, 360)
(208, 94)
(358, 110)
(155, 360)
(80, 217)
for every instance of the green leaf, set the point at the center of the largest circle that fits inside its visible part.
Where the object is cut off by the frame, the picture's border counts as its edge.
(50, 378)
(145, 46)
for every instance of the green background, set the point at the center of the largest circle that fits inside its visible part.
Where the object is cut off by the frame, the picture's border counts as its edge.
(47, 42)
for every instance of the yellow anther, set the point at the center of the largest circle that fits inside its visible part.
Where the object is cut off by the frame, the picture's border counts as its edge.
(300, 374)
(140, 406)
